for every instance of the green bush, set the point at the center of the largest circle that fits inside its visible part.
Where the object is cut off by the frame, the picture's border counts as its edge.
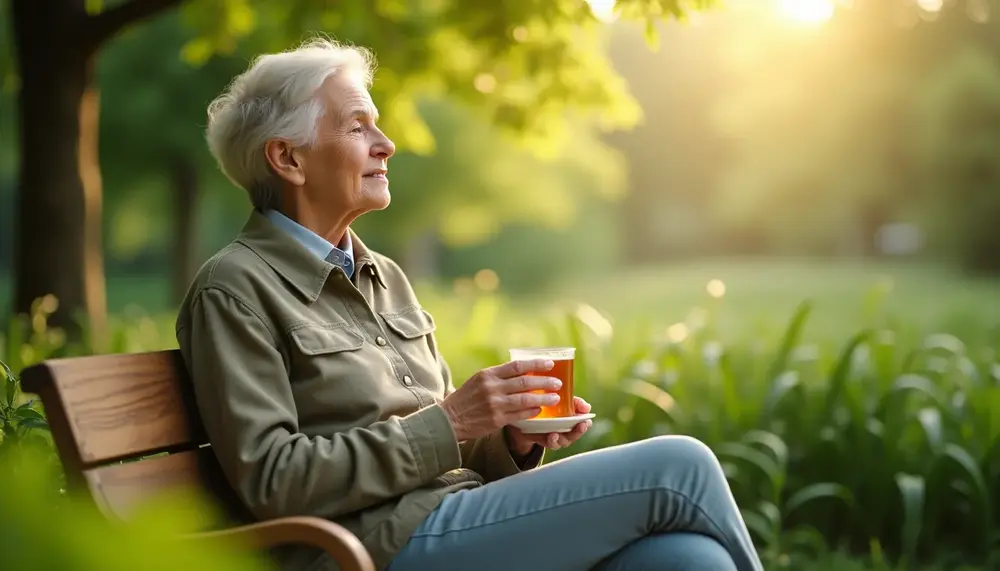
(44, 529)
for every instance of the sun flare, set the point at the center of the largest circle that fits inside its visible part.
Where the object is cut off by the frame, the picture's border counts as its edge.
(806, 11)
(603, 10)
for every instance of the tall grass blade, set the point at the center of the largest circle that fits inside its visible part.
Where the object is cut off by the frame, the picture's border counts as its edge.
(816, 492)
(970, 473)
(745, 455)
(912, 490)
(774, 444)
(654, 395)
(787, 385)
(841, 373)
(791, 338)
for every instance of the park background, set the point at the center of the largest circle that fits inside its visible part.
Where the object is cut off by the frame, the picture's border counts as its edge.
(770, 224)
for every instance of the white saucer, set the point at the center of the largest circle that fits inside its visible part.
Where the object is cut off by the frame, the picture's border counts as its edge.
(546, 425)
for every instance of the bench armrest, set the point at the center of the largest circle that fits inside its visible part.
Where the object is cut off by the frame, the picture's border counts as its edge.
(341, 544)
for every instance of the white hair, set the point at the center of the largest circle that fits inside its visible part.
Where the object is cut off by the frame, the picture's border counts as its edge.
(276, 97)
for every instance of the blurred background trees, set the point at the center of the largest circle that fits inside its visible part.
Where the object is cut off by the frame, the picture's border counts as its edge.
(765, 128)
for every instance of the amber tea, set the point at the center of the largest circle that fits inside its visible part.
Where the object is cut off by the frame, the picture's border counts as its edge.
(563, 358)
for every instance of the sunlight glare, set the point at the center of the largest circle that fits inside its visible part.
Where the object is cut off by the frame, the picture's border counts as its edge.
(603, 10)
(807, 11)
(931, 5)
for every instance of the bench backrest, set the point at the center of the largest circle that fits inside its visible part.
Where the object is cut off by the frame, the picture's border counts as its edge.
(126, 427)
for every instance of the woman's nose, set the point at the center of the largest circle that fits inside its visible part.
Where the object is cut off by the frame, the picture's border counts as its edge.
(384, 149)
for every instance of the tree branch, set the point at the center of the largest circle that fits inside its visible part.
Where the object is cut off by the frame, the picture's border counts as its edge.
(108, 23)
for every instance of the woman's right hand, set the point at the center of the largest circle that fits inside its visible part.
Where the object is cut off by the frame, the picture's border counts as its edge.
(498, 396)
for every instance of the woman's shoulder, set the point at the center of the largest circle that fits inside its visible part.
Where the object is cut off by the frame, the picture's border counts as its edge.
(233, 265)
(235, 271)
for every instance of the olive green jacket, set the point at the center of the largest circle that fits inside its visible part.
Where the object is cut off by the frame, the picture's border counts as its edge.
(320, 395)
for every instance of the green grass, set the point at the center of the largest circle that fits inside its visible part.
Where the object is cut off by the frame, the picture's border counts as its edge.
(845, 293)
(865, 420)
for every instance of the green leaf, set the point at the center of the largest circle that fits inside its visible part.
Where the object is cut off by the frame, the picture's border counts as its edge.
(912, 490)
(841, 374)
(930, 420)
(991, 460)
(28, 413)
(10, 389)
(34, 423)
(793, 333)
(654, 395)
(785, 386)
(651, 34)
(970, 473)
(759, 526)
(764, 464)
(805, 538)
(774, 444)
(771, 513)
(815, 492)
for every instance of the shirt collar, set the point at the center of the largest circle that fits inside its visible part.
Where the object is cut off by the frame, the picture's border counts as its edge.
(343, 256)
(297, 263)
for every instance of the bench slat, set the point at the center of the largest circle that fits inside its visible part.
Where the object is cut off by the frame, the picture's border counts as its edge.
(118, 488)
(119, 406)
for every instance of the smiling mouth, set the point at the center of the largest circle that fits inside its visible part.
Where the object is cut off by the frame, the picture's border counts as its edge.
(377, 174)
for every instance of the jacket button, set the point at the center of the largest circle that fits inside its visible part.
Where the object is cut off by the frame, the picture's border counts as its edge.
(407, 380)
(381, 341)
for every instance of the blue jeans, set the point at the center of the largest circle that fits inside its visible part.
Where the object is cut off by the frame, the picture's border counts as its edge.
(661, 504)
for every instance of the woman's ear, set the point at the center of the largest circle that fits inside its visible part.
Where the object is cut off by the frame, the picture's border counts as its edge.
(285, 161)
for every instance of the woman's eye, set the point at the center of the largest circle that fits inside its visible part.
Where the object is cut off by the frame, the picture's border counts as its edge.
(358, 129)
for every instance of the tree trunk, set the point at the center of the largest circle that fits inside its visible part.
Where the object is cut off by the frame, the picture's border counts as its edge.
(58, 243)
(184, 193)
(58, 248)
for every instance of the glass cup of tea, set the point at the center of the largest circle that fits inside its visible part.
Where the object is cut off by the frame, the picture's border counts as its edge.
(562, 357)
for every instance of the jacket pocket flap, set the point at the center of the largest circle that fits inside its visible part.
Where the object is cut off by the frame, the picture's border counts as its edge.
(322, 339)
(410, 323)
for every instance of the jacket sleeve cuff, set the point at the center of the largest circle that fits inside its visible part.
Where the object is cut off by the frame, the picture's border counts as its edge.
(500, 461)
(433, 441)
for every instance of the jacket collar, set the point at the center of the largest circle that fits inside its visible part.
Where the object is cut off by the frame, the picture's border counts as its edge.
(294, 262)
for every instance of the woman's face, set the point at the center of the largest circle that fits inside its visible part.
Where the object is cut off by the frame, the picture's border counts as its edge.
(345, 173)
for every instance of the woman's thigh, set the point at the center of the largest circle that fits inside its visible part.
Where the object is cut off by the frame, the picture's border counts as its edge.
(572, 514)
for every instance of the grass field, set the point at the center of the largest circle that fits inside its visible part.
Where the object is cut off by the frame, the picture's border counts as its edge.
(755, 292)
(846, 294)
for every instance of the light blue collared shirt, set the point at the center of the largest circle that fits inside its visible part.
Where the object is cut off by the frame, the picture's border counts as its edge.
(316, 243)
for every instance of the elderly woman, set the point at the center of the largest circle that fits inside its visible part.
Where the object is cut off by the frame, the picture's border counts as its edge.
(323, 391)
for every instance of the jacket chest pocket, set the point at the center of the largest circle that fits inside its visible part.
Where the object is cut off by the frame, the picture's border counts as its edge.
(411, 329)
(325, 350)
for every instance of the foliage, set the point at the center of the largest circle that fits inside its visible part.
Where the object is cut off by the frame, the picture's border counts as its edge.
(957, 149)
(533, 67)
(45, 529)
(882, 441)
(877, 436)
(17, 418)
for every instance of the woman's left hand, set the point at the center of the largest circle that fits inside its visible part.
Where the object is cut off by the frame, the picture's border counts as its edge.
(522, 443)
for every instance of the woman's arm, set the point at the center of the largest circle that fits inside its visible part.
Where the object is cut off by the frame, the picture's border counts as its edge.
(245, 401)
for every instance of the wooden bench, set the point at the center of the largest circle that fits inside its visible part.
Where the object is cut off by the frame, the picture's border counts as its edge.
(107, 409)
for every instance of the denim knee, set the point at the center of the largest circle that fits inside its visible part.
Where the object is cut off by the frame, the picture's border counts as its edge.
(681, 452)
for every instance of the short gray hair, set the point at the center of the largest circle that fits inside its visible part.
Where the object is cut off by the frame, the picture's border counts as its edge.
(276, 97)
